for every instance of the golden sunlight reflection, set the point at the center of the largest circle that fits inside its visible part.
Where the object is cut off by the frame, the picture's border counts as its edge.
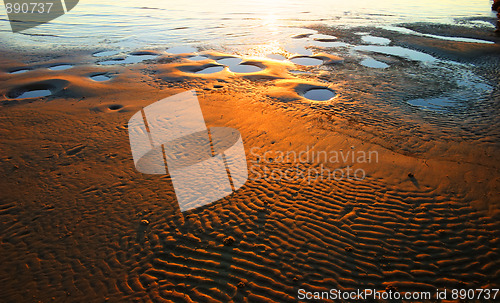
(262, 51)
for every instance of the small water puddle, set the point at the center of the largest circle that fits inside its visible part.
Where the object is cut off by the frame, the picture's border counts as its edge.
(319, 94)
(435, 104)
(35, 94)
(229, 61)
(61, 67)
(244, 68)
(307, 61)
(322, 37)
(198, 58)
(105, 53)
(100, 78)
(298, 49)
(210, 70)
(19, 71)
(181, 50)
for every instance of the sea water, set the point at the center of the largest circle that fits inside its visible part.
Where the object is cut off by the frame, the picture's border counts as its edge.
(238, 24)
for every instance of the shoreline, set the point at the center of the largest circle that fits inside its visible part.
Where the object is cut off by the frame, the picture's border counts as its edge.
(426, 216)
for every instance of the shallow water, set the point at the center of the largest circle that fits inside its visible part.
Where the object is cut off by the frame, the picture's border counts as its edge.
(35, 94)
(239, 24)
(329, 44)
(375, 40)
(370, 62)
(198, 58)
(131, 59)
(181, 50)
(230, 61)
(210, 70)
(319, 94)
(100, 78)
(19, 71)
(307, 61)
(244, 68)
(397, 51)
(61, 67)
(105, 53)
(408, 31)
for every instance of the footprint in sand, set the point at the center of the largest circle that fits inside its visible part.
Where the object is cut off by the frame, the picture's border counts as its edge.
(323, 38)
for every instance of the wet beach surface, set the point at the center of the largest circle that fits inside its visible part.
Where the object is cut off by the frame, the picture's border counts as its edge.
(81, 224)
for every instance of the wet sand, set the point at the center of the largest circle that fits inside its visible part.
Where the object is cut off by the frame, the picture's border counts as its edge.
(73, 205)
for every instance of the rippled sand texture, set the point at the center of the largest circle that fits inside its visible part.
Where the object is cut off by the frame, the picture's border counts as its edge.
(80, 224)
